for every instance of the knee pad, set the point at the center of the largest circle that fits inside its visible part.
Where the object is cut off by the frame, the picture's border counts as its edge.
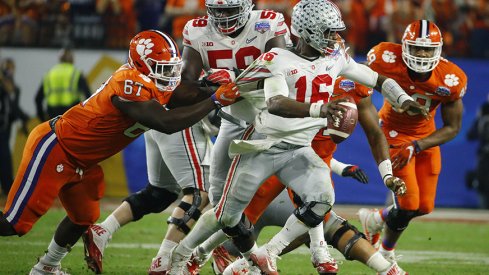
(150, 200)
(333, 237)
(398, 219)
(241, 234)
(244, 228)
(191, 210)
(312, 213)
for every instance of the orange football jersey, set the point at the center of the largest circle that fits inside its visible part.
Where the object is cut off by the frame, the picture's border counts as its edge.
(447, 83)
(95, 129)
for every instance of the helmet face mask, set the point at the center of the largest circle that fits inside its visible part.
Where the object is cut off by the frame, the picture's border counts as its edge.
(421, 46)
(317, 22)
(228, 16)
(156, 55)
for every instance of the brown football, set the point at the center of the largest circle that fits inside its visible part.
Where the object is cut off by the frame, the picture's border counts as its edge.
(341, 128)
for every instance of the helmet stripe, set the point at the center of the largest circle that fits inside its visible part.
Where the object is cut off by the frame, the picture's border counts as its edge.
(424, 26)
(170, 43)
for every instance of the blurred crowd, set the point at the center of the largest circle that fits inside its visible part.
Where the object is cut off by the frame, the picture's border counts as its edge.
(112, 23)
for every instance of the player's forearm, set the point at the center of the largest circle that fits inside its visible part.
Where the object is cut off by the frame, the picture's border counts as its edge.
(439, 137)
(379, 147)
(286, 107)
(184, 117)
(452, 122)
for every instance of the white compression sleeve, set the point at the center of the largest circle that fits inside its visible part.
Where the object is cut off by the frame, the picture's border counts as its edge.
(394, 93)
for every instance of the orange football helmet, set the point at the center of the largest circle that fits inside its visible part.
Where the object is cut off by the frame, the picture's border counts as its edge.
(421, 46)
(156, 55)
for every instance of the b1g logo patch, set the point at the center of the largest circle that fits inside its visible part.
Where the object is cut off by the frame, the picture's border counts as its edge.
(262, 27)
(347, 85)
(442, 91)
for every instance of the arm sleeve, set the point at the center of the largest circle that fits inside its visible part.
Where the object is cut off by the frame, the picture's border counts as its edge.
(360, 73)
(275, 86)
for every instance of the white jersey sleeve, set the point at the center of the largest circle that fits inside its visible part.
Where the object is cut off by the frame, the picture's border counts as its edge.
(359, 73)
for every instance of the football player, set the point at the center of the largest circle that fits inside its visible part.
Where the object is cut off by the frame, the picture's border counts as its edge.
(297, 88)
(337, 231)
(433, 81)
(61, 156)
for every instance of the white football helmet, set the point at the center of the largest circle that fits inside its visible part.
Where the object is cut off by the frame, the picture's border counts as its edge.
(317, 21)
(228, 16)
(422, 35)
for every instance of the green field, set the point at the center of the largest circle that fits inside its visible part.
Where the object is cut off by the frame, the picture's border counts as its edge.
(427, 248)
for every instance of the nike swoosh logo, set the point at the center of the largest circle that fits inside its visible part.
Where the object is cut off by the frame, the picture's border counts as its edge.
(226, 98)
(411, 151)
(248, 41)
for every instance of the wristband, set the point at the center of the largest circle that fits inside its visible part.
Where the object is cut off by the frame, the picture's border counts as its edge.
(385, 169)
(338, 167)
(417, 149)
(315, 110)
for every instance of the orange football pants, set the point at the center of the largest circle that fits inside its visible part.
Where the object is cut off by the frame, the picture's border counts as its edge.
(47, 172)
(272, 187)
(420, 175)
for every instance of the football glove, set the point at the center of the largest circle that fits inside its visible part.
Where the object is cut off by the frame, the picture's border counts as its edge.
(221, 77)
(402, 154)
(355, 172)
(396, 185)
(225, 95)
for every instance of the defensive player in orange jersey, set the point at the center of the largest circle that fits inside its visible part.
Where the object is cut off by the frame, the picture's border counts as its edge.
(61, 156)
(433, 81)
(337, 231)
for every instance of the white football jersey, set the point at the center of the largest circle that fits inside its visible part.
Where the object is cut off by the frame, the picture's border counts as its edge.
(307, 81)
(224, 52)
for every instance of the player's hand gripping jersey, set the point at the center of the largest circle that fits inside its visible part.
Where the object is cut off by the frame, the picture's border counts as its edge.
(95, 129)
(447, 83)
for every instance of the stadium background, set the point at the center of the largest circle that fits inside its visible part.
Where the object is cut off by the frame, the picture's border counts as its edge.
(32, 31)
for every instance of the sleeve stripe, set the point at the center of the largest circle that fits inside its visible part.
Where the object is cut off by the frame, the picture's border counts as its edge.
(284, 31)
(187, 42)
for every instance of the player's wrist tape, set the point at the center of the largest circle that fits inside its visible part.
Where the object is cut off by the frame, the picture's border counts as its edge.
(216, 102)
(385, 169)
(338, 167)
(394, 93)
(417, 149)
(315, 109)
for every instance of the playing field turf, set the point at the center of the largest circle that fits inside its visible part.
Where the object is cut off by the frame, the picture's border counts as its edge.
(428, 247)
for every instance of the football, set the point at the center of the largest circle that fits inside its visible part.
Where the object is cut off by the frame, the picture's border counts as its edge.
(341, 128)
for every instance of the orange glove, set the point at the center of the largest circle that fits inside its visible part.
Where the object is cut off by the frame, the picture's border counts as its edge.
(221, 77)
(225, 95)
(402, 154)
